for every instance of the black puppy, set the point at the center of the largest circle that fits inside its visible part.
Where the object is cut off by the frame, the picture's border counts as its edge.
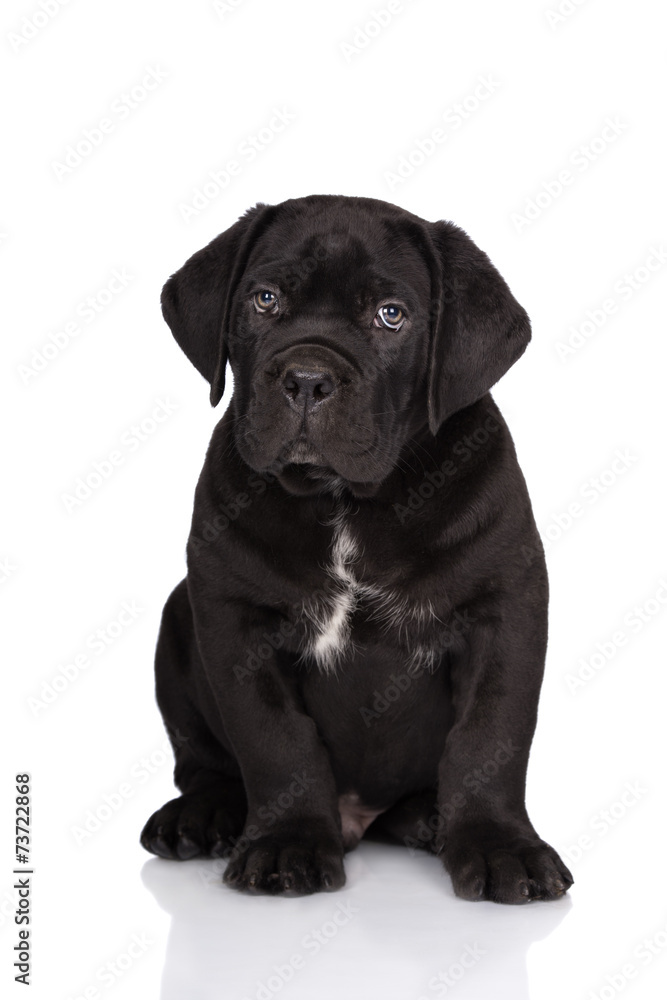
(361, 634)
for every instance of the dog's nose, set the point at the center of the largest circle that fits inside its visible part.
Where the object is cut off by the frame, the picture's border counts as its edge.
(307, 388)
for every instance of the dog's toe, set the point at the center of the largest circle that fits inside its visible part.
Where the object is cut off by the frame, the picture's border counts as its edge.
(156, 843)
(504, 868)
(190, 827)
(271, 867)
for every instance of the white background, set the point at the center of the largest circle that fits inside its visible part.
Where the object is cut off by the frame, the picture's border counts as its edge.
(67, 574)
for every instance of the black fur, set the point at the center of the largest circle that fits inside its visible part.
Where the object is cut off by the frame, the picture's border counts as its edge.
(389, 441)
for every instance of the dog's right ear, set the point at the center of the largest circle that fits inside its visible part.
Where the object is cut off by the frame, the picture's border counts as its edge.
(197, 299)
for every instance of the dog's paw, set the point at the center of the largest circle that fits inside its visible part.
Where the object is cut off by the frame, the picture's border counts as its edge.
(192, 826)
(286, 866)
(504, 868)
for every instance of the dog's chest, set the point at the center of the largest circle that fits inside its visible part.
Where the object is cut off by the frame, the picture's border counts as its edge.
(348, 596)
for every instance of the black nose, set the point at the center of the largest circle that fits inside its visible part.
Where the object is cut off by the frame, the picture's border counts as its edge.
(306, 388)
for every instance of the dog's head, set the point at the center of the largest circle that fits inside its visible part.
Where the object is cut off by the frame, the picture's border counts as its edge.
(349, 325)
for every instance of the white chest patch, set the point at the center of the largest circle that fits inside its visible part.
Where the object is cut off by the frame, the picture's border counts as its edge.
(333, 627)
(330, 615)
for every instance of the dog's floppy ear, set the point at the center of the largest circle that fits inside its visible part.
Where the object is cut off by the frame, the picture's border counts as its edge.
(196, 300)
(479, 329)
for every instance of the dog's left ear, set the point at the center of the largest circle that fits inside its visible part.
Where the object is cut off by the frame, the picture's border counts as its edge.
(479, 328)
(197, 299)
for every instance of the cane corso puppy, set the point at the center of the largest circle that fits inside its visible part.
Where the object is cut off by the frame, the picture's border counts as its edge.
(359, 642)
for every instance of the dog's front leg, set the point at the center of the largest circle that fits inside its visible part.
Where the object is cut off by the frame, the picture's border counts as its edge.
(292, 842)
(486, 839)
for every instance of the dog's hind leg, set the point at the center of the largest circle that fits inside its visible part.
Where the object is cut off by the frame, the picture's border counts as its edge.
(212, 809)
(202, 822)
(411, 821)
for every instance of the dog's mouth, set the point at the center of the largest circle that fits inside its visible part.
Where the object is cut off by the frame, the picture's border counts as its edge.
(307, 479)
(301, 452)
(304, 470)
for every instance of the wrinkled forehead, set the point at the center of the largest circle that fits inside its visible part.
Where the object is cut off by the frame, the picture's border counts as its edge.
(341, 256)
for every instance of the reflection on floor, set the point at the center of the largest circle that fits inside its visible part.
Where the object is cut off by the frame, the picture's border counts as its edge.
(394, 931)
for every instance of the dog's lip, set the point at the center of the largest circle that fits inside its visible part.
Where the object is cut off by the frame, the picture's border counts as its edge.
(301, 459)
(310, 469)
(301, 464)
(307, 479)
(301, 452)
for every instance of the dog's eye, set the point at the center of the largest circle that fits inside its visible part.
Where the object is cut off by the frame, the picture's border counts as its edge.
(391, 316)
(265, 301)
